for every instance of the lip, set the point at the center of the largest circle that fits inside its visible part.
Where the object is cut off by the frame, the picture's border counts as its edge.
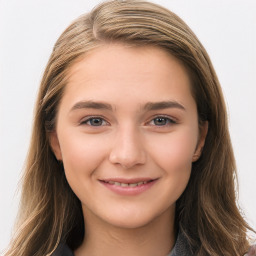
(143, 184)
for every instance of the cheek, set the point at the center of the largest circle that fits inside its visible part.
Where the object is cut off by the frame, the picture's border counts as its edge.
(174, 157)
(81, 157)
(176, 149)
(82, 154)
(173, 154)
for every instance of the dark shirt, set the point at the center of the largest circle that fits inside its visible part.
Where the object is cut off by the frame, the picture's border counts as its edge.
(63, 250)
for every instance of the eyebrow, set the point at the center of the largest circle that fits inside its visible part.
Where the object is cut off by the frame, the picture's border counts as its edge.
(163, 105)
(150, 106)
(91, 104)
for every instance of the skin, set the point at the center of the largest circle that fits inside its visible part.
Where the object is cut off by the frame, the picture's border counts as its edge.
(130, 138)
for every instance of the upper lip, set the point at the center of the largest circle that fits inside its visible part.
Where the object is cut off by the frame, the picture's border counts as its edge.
(128, 181)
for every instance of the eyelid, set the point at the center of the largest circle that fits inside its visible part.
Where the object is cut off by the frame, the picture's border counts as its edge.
(86, 119)
(171, 119)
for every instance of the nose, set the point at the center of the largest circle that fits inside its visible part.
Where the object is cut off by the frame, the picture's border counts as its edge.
(127, 149)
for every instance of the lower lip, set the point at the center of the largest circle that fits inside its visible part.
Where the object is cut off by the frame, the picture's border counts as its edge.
(129, 191)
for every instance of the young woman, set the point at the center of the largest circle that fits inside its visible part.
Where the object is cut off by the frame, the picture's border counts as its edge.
(130, 152)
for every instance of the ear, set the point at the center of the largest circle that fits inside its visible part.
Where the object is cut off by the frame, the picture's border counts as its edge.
(54, 142)
(203, 130)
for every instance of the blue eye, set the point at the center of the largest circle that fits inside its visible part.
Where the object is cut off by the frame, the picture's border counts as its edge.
(94, 121)
(162, 121)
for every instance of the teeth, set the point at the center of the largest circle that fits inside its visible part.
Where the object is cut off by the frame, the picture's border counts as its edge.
(133, 185)
(127, 184)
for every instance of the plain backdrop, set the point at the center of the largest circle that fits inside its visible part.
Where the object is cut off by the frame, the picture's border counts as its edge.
(28, 31)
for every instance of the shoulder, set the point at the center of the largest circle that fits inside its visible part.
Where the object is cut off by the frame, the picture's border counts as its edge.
(62, 250)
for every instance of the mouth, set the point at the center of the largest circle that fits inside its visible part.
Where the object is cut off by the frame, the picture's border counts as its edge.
(128, 187)
(130, 184)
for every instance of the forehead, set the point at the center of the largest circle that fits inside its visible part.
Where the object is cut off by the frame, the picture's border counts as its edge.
(120, 60)
(128, 70)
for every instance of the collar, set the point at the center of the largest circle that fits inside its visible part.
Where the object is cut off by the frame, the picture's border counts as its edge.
(181, 247)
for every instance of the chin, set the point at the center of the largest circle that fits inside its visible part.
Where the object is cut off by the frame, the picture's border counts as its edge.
(133, 220)
(131, 223)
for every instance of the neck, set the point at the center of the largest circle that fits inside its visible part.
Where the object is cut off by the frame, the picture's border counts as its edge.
(154, 238)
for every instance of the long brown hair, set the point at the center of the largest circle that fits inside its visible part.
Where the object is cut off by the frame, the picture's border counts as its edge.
(207, 213)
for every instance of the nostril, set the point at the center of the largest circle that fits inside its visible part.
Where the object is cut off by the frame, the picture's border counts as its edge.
(126, 160)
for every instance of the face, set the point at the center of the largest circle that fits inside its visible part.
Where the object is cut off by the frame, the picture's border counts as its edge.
(127, 133)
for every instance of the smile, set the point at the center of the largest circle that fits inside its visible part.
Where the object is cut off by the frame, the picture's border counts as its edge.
(121, 184)
(130, 187)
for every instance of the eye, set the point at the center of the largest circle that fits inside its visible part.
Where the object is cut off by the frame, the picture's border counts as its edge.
(162, 121)
(94, 121)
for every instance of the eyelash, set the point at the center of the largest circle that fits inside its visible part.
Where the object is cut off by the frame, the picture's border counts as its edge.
(90, 119)
(168, 121)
